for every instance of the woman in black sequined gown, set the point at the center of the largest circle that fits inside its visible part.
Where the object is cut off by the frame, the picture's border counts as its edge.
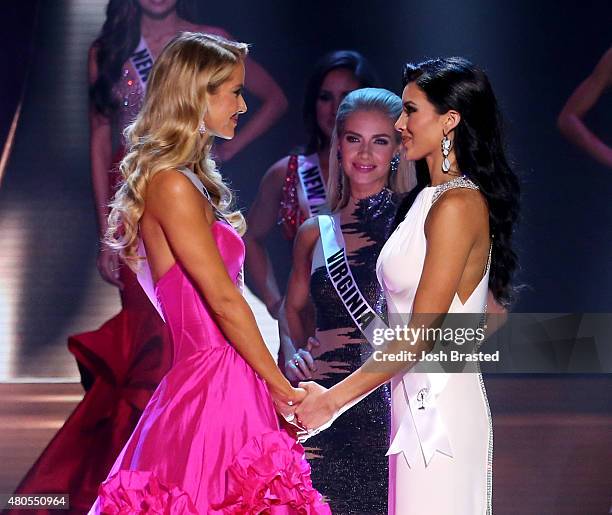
(366, 185)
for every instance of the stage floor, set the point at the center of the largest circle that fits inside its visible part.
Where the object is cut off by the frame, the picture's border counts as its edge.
(543, 463)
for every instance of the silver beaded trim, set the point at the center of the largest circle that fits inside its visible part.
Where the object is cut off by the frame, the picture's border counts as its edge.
(464, 182)
(459, 182)
(490, 449)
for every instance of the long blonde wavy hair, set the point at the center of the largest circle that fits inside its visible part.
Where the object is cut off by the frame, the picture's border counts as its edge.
(365, 99)
(165, 134)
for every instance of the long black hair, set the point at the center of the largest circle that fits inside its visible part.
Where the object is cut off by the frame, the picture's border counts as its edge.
(117, 41)
(346, 59)
(455, 83)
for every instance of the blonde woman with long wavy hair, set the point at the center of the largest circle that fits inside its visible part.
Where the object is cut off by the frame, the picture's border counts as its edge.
(209, 440)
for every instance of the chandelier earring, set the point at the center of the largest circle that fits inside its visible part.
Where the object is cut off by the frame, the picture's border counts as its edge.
(446, 145)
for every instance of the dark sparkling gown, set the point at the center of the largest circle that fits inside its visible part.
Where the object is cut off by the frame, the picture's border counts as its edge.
(348, 460)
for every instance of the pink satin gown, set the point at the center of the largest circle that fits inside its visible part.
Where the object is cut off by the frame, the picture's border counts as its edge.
(209, 440)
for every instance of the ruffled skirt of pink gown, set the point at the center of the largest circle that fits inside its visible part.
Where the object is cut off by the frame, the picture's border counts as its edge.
(209, 441)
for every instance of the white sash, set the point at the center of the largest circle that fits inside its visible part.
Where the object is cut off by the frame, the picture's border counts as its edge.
(145, 279)
(425, 430)
(312, 194)
(339, 272)
(142, 61)
(195, 180)
(422, 428)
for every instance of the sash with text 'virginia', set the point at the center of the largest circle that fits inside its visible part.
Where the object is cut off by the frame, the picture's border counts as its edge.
(422, 430)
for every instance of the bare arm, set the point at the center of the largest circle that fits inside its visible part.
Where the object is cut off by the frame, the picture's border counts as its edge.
(181, 211)
(100, 149)
(297, 326)
(297, 300)
(453, 228)
(100, 152)
(571, 120)
(260, 221)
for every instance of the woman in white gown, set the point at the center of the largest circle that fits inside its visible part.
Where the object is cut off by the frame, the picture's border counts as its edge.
(454, 243)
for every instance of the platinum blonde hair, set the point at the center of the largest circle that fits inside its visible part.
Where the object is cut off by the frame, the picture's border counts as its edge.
(165, 134)
(365, 99)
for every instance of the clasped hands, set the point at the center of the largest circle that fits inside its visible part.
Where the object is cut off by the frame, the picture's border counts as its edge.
(310, 410)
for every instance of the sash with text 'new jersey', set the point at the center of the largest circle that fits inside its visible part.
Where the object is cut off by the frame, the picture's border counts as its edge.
(142, 61)
(313, 194)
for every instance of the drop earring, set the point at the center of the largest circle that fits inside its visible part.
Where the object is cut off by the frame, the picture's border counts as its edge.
(446, 148)
(340, 175)
(202, 128)
(395, 163)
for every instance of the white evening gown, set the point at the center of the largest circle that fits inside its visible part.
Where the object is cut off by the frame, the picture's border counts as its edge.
(440, 459)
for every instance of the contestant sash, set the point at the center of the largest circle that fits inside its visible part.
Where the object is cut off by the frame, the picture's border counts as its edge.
(145, 279)
(312, 195)
(339, 272)
(422, 430)
(142, 61)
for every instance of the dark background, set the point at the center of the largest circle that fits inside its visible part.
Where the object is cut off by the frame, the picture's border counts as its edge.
(551, 432)
(535, 53)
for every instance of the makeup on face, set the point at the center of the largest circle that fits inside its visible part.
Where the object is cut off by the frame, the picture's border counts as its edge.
(226, 105)
(419, 124)
(367, 145)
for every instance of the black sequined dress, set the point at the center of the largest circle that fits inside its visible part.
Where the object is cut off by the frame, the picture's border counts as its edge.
(348, 460)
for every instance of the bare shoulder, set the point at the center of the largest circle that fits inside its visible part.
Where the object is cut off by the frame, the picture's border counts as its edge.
(460, 206)
(308, 234)
(170, 182)
(461, 200)
(274, 178)
(170, 189)
(278, 170)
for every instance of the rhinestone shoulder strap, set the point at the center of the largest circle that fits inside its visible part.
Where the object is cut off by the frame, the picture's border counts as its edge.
(459, 182)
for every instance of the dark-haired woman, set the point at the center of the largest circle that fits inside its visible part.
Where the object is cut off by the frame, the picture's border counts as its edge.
(455, 240)
(123, 361)
(294, 188)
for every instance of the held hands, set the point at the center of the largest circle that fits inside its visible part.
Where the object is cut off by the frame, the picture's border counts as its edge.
(108, 266)
(287, 402)
(306, 410)
(317, 411)
(285, 406)
(301, 365)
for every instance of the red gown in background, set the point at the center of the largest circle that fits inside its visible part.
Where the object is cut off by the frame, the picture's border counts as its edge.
(121, 364)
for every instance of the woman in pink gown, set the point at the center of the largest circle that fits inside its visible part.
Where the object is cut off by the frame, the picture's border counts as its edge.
(209, 440)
